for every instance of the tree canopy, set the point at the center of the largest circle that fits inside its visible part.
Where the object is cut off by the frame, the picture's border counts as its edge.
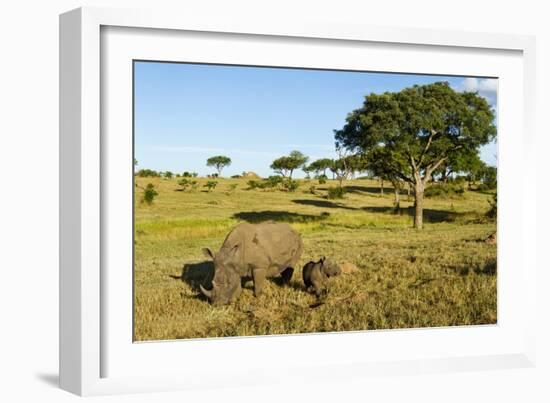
(320, 166)
(417, 129)
(219, 162)
(286, 165)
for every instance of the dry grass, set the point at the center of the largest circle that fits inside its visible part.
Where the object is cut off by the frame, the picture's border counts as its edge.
(444, 275)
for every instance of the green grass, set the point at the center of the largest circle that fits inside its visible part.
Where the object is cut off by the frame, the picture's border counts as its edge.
(444, 275)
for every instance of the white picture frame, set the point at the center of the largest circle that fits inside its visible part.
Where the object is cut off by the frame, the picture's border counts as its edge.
(90, 342)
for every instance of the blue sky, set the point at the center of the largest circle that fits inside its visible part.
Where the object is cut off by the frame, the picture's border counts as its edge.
(185, 113)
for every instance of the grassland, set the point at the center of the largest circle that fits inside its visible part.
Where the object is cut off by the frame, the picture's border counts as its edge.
(444, 275)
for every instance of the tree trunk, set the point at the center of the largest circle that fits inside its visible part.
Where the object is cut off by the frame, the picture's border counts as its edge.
(381, 187)
(340, 180)
(396, 206)
(418, 204)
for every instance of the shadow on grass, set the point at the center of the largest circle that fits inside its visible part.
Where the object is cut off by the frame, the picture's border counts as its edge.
(374, 190)
(284, 216)
(322, 203)
(488, 268)
(429, 215)
(294, 283)
(370, 189)
(196, 274)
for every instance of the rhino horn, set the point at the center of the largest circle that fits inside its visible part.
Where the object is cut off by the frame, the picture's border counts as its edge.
(206, 293)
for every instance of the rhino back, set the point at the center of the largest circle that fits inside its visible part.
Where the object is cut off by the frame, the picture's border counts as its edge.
(269, 245)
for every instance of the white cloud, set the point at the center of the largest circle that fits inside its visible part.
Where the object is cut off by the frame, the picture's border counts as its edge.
(486, 87)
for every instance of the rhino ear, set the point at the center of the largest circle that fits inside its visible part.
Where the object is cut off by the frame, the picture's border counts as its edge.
(208, 253)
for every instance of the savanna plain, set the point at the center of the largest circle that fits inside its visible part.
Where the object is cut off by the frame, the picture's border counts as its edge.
(442, 275)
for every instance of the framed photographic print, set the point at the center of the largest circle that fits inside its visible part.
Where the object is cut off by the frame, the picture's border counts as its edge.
(238, 196)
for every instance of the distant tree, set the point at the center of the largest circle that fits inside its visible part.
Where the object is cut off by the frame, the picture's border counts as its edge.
(420, 128)
(473, 170)
(149, 194)
(210, 185)
(356, 164)
(320, 166)
(488, 176)
(219, 162)
(466, 161)
(307, 170)
(379, 164)
(135, 162)
(168, 174)
(342, 167)
(144, 173)
(286, 165)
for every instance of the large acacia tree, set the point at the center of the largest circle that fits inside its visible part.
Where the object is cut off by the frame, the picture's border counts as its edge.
(219, 162)
(321, 165)
(286, 165)
(417, 130)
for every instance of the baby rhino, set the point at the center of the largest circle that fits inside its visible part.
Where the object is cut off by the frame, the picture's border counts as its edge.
(315, 275)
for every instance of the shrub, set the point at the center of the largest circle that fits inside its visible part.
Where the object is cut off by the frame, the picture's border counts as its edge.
(149, 194)
(231, 188)
(253, 184)
(447, 190)
(235, 176)
(485, 187)
(184, 183)
(145, 173)
(210, 185)
(290, 185)
(322, 179)
(312, 189)
(492, 213)
(273, 182)
(335, 193)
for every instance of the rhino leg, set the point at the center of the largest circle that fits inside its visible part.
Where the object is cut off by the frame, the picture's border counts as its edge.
(319, 285)
(286, 274)
(258, 276)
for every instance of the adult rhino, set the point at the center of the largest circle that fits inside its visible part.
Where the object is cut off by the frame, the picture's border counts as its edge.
(260, 250)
